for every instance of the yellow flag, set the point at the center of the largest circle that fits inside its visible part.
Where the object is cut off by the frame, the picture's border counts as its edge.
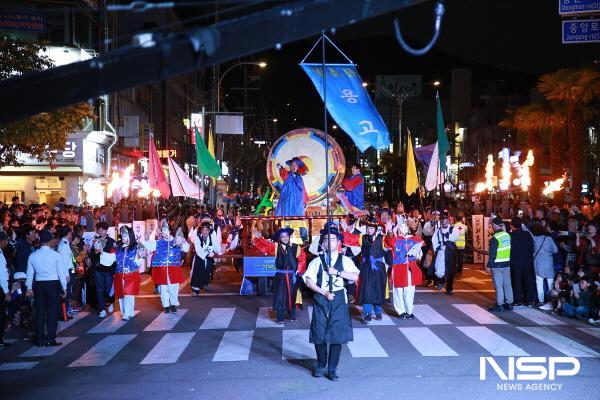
(412, 182)
(211, 144)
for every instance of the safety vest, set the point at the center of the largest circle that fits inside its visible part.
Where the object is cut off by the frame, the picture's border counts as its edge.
(462, 235)
(503, 252)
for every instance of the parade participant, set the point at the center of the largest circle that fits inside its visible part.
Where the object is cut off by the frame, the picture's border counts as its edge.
(330, 326)
(406, 274)
(352, 252)
(293, 197)
(400, 217)
(499, 263)
(206, 246)
(130, 264)
(373, 274)
(354, 188)
(44, 267)
(290, 261)
(462, 229)
(103, 262)
(166, 264)
(221, 221)
(444, 245)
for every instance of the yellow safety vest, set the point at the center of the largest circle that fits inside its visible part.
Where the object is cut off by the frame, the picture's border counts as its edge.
(503, 252)
(462, 235)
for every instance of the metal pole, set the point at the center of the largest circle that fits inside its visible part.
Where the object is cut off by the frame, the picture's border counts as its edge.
(326, 159)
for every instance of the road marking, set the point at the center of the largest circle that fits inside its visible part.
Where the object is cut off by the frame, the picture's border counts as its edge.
(110, 324)
(295, 345)
(386, 320)
(457, 291)
(165, 322)
(559, 342)
(428, 316)
(48, 351)
(146, 280)
(266, 318)
(103, 351)
(169, 348)
(184, 284)
(12, 366)
(234, 346)
(491, 341)
(365, 344)
(538, 317)
(475, 281)
(62, 325)
(218, 318)
(595, 332)
(427, 343)
(480, 315)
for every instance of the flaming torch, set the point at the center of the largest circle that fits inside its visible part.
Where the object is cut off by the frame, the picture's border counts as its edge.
(489, 175)
(506, 172)
(525, 177)
(553, 186)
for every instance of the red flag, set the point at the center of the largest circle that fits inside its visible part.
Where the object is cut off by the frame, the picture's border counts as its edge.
(156, 174)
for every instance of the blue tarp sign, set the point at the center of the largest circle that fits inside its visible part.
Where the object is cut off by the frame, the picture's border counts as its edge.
(259, 266)
(571, 7)
(349, 104)
(581, 31)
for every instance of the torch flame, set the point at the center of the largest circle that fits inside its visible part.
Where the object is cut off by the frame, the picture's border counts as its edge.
(489, 175)
(120, 182)
(553, 186)
(525, 177)
(506, 173)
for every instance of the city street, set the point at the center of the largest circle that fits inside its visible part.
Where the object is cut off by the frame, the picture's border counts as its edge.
(222, 345)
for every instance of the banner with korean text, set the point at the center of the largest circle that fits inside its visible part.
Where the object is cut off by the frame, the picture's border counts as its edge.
(349, 104)
(478, 238)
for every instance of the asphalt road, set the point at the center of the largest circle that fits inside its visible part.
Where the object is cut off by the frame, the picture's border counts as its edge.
(224, 346)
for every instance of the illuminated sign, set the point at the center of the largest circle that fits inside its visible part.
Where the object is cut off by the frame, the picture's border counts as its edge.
(164, 153)
(16, 21)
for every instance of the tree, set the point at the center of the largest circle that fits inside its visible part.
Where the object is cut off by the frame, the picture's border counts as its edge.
(43, 133)
(576, 89)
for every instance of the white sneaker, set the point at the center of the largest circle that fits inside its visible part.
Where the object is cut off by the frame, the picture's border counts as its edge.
(102, 314)
(125, 318)
(546, 307)
(111, 308)
(594, 322)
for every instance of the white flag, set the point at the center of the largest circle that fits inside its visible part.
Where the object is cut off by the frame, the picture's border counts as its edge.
(434, 177)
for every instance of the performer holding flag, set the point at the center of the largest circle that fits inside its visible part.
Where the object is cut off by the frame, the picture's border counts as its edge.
(127, 278)
(293, 197)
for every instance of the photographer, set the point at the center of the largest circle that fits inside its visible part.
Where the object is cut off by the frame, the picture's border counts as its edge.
(584, 300)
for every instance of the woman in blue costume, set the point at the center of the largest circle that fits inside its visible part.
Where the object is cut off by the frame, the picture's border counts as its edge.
(293, 197)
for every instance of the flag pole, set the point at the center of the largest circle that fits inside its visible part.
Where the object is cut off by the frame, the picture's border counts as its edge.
(328, 258)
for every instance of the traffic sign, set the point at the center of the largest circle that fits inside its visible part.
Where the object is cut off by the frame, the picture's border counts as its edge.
(581, 31)
(572, 7)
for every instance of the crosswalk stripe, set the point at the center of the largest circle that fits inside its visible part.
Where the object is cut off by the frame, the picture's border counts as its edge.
(428, 316)
(427, 343)
(595, 332)
(165, 322)
(110, 324)
(62, 325)
(480, 315)
(538, 317)
(365, 344)
(559, 342)
(12, 366)
(48, 351)
(103, 351)
(295, 345)
(386, 320)
(491, 341)
(266, 318)
(234, 346)
(169, 348)
(218, 318)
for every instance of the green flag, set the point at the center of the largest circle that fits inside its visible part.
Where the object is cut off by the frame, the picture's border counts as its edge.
(207, 165)
(442, 138)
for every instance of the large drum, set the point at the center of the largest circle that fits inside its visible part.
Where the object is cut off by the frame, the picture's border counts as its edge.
(308, 144)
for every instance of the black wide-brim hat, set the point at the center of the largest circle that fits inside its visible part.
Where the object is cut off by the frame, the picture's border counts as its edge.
(332, 231)
(278, 233)
(297, 160)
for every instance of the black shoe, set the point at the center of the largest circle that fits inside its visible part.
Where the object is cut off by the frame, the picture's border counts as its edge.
(318, 373)
(439, 286)
(508, 307)
(40, 343)
(4, 344)
(52, 343)
(279, 322)
(378, 317)
(496, 308)
(174, 309)
(366, 319)
(332, 376)
(167, 310)
(403, 316)
(449, 292)
(517, 305)
(410, 316)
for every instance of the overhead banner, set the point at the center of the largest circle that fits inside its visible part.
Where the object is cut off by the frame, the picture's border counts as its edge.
(349, 104)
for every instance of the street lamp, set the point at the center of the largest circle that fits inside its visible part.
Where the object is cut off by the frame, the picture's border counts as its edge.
(437, 83)
(399, 98)
(260, 64)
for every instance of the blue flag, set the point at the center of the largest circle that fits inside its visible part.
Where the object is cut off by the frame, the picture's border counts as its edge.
(350, 105)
